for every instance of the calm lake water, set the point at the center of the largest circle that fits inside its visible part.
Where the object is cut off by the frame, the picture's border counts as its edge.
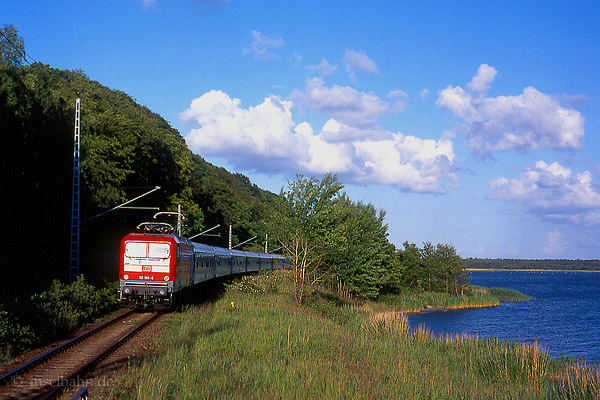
(564, 317)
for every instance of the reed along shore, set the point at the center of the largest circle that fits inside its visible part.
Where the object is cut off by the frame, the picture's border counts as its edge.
(258, 342)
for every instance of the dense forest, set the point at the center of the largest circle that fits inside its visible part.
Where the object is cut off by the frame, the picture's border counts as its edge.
(126, 151)
(507, 263)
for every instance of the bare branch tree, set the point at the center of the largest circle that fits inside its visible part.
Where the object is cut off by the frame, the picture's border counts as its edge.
(306, 264)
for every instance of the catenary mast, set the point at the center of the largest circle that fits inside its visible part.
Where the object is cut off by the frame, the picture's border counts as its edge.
(75, 203)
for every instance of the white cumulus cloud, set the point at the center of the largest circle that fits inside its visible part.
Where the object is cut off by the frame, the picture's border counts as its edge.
(266, 138)
(336, 132)
(482, 80)
(529, 121)
(343, 103)
(552, 191)
(223, 126)
(408, 162)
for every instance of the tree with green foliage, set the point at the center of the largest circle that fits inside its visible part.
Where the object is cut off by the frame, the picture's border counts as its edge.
(325, 233)
(359, 250)
(432, 271)
(309, 203)
(450, 269)
(304, 217)
(126, 150)
(412, 271)
(230, 199)
(12, 46)
(436, 268)
(35, 179)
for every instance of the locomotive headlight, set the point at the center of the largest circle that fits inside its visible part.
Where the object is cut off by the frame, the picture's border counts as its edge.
(127, 290)
(162, 292)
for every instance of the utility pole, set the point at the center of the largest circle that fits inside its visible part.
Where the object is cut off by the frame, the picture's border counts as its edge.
(179, 219)
(266, 242)
(75, 204)
(229, 237)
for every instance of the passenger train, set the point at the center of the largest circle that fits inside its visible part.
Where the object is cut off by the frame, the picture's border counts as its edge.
(155, 267)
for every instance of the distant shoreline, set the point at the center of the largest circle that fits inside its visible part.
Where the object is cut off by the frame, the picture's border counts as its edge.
(530, 270)
(431, 309)
(503, 264)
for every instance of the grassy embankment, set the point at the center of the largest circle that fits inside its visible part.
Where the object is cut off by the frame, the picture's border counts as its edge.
(264, 345)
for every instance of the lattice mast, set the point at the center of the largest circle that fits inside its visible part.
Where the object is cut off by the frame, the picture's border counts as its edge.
(75, 200)
(266, 242)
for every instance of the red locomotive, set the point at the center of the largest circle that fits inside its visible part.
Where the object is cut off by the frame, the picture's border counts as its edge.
(155, 267)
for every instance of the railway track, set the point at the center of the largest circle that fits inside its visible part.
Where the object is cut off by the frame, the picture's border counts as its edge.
(49, 374)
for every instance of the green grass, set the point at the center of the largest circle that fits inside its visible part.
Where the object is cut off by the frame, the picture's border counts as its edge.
(508, 294)
(414, 302)
(265, 346)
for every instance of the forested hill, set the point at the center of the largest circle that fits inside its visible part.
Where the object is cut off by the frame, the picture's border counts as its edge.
(126, 150)
(507, 263)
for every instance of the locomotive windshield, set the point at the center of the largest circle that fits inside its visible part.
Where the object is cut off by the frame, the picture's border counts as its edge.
(136, 249)
(159, 250)
(147, 250)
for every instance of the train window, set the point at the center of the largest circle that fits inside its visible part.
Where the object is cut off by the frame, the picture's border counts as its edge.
(159, 250)
(135, 249)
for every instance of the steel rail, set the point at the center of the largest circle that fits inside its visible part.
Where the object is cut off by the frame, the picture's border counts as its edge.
(62, 384)
(6, 378)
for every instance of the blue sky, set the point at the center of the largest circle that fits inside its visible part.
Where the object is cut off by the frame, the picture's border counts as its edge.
(471, 123)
